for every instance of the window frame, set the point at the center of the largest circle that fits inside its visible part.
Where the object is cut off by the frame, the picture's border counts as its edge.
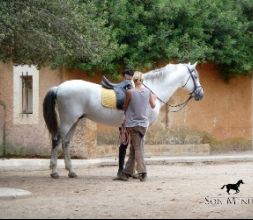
(19, 116)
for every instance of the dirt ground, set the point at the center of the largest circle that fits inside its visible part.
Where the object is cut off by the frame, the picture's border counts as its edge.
(172, 191)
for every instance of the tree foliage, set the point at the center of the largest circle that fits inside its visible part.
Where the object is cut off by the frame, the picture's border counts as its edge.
(184, 31)
(52, 32)
(109, 34)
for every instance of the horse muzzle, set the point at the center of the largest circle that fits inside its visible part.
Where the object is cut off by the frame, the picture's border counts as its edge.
(198, 94)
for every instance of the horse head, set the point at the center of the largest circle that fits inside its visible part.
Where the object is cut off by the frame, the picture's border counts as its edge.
(192, 82)
(240, 182)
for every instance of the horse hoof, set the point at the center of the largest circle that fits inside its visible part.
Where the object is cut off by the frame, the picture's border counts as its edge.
(72, 175)
(55, 175)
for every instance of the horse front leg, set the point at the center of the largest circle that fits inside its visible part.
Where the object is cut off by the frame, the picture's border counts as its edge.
(54, 157)
(237, 191)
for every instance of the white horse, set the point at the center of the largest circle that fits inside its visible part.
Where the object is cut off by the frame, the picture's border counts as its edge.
(77, 99)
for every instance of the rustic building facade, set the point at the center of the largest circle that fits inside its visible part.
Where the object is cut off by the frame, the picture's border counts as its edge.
(225, 113)
(22, 128)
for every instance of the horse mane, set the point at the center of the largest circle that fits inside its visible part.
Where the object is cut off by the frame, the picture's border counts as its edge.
(159, 73)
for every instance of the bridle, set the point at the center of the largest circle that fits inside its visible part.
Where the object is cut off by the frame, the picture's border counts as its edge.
(183, 104)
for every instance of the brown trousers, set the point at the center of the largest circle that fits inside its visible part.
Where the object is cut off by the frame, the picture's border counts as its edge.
(136, 150)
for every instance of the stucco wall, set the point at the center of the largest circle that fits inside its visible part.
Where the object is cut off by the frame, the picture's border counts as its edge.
(2, 117)
(32, 138)
(29, 138)
(1, 125)
(226, 110)
(224, 113)
(6, 94)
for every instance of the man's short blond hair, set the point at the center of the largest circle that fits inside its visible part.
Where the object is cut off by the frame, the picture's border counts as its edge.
(138, 76)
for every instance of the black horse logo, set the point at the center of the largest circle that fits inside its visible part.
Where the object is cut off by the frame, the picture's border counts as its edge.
(233, 186)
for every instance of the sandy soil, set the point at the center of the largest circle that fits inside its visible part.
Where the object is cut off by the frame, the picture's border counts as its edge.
(177, 191)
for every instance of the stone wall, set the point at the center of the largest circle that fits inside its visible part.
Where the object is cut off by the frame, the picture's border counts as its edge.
(84, 141)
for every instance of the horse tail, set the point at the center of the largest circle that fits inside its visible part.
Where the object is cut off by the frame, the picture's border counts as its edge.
(49, 111)
(223, 187)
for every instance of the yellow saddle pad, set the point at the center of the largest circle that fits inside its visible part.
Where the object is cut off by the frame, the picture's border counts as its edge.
(109, 98)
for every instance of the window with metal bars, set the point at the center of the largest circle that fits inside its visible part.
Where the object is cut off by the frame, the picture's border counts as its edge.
(27, 94)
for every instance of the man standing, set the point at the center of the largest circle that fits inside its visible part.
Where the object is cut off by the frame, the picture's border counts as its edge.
(128, 75)
(136, 110)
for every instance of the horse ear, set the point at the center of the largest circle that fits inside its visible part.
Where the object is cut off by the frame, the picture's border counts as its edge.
(195, 64)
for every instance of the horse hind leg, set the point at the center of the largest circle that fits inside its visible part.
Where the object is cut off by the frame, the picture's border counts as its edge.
(54, 156)
(65, 133)
(228, 190)
(65, 147)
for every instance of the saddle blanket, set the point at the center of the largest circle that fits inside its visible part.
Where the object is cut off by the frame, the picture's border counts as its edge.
(108, 98)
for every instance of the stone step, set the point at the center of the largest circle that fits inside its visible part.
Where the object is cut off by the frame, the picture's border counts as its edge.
(178, 150)
(159, 150)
